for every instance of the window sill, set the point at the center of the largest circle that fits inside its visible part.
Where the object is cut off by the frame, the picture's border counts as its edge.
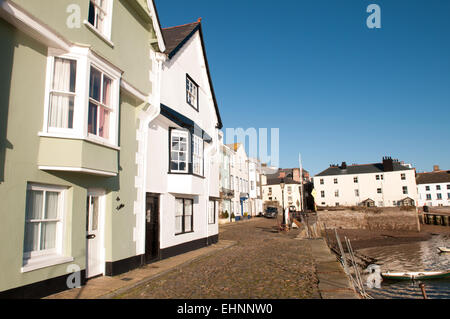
(180, 234)
(98, 33)
(44, 261)
(187, 174)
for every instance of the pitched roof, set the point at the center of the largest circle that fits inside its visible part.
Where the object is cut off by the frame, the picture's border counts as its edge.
(433, 177)
(361, 169)
(176, 37)
(277, 181)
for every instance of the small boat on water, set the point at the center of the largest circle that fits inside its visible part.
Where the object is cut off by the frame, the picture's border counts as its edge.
(444, 249)
(416, 275)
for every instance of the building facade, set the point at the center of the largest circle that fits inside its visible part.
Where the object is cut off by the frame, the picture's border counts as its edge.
(239, 181)
(183, 162)
(226, 189)
(434, 188)
(255, 190)
(385, 184)
(76, 99)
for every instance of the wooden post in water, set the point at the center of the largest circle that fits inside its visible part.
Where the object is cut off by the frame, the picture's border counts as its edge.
(424, 293)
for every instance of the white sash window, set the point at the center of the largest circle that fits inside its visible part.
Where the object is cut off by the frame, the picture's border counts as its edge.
(179, 150)
(198, 156)
(100, 16)
(100, 108)
(43, 221)
(184, 219)
(62, 94)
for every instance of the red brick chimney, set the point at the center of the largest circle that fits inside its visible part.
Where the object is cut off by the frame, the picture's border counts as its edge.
(436, 168)
(296, 174)
(282, 174)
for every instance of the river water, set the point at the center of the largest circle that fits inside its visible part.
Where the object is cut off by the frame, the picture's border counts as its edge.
(416, 256)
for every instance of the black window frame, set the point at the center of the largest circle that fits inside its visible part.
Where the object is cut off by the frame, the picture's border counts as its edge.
(183, 224)
(197, 107)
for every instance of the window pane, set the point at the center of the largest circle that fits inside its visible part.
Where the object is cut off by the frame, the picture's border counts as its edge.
(94, 203)
(61, 110)
(95, 84)
(107, 82)
(48, 235)
(92, 119)
(51, 205)
(34, 204)
(31, 242)
(91, 14)
(188, 223)
(103, 129)
(64, 75)
(178, 224)
(188, 207)
(174, 166)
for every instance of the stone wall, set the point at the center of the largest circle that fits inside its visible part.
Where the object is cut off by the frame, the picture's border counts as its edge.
(376, 219)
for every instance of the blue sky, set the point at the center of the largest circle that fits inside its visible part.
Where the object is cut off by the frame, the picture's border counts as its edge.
(337, 90)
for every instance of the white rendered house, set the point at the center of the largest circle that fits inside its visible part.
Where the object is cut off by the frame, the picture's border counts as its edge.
(182, 171)
(239, 180)
(434, 188)
(385, 184)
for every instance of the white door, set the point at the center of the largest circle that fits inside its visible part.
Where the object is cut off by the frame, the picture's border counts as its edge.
(94, 214)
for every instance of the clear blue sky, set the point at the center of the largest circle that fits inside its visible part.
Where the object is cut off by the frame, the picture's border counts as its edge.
(337, 90)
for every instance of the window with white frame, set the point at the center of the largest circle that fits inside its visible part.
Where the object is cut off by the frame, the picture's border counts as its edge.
(100, 104)
(62, 94)
(43, 221)
(197, 155)
(213, 211)
(191, 92)
(100, 16)
(70, 100)
(179, 151)
(184, 219)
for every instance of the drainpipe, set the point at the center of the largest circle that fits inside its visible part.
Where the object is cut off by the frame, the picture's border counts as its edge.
(151, 112)
(210, 151)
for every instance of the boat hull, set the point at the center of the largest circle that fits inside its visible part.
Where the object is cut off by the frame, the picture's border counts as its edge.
(416, 275)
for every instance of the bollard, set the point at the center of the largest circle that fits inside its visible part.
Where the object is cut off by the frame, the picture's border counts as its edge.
(424, 293)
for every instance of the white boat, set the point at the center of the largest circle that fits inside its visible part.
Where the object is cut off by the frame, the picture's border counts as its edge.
(444, 249)
(416, 275)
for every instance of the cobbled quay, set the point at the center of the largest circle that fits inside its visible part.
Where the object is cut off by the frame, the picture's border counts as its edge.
(263, 264)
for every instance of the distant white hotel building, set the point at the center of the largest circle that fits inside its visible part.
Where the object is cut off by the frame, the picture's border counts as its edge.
(387, 184)
(434, 188)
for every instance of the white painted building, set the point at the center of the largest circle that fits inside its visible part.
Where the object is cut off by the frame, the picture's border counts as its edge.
(182, 172)
(239, 180)
(290, 196)
(434, 188)
(254, 173)
(385, 184)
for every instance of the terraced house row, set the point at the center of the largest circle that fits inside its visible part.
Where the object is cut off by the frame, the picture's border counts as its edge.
(109, 141)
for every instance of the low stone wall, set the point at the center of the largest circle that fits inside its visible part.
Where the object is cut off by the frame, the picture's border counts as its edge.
(379, 219)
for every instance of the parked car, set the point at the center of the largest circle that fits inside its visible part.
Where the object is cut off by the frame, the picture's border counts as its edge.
(271, 212)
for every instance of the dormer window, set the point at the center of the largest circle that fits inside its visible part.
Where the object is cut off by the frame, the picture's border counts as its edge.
(191, 92)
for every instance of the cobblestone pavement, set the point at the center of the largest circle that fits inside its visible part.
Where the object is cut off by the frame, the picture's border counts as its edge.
(263, 264)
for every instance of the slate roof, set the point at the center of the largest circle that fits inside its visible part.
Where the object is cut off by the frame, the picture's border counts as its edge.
(433, 177)
(176, 37)
(361, 169)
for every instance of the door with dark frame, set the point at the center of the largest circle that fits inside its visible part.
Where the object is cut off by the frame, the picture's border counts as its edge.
(152, 228)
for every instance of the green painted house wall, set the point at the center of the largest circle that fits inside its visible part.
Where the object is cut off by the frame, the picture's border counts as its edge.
(23, 62)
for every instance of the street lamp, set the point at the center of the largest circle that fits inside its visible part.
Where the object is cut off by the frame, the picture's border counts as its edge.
(282, 195)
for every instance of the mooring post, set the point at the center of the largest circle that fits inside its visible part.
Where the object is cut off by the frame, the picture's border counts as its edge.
(424, 293)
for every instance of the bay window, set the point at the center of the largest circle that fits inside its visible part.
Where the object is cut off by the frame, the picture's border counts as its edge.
(82, 98)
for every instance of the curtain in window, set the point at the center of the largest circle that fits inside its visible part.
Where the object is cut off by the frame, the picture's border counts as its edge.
(188, 215)
(62, 97)
(179, 216)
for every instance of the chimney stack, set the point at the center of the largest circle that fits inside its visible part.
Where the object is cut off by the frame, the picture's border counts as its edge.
(388, 164)
(282, 174)
(296, 174)
(436, 168)
(344, 165)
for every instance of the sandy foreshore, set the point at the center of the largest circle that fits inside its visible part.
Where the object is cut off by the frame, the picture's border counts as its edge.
(363, 238)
